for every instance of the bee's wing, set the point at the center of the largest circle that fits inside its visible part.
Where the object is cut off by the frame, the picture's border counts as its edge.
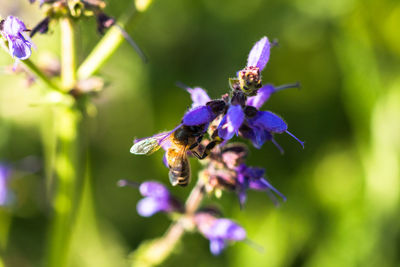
(145, 146)
(149, 145)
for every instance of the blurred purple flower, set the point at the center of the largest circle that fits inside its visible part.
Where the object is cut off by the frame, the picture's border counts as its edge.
(253, 178)
(4, 174)
(156, 199)
(218, 230)
(13, 30)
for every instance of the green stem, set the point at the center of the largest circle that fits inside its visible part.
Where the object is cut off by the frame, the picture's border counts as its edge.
(157, 251)
(35, 70)
(66, 168)
(39, 74)
(68, 74)
(67, 121)
(104, 49)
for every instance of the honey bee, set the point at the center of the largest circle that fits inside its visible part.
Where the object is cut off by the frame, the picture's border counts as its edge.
(177, 143)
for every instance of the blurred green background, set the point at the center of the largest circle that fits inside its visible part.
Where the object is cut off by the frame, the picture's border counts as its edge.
(342, 189)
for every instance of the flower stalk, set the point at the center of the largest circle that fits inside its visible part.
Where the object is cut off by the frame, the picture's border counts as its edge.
(156, 251)
(105, 48)
(68, 74)
(39, 74)
(67, 161)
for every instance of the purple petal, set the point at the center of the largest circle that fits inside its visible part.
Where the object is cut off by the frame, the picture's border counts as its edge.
(231, 122)
(199, 96)
(217, 246)
(257, 135)
(148, 206)
(227, 229)
(13, 26)
(242, 195)
(3, 185)
(263, 94)
(269, 121)
(198, 116)
(19, 48)
(153, 189)
(255, 173)
(264, 185)
(259, 54)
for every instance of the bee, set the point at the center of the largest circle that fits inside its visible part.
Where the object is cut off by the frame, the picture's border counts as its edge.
(177, 144)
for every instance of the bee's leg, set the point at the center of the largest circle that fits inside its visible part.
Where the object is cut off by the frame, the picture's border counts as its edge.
(198, 141)
(210, 146)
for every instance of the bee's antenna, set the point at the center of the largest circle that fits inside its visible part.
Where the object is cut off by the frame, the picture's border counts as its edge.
(254, 245)
(124, 182)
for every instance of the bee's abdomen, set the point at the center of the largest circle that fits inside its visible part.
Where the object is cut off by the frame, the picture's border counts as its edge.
(180, 174)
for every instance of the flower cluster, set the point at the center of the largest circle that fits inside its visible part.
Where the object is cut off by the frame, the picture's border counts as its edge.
(204, 132)
(157, 198)
(218, 230)
(226, 171)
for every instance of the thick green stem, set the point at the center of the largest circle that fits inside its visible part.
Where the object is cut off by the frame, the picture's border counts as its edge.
(155, 252)
(67, 121)
(66, 168)
(68, 74)
(104, 49)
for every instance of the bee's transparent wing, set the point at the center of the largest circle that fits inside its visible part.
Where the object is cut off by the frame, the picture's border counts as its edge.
(151, 144)
(145, 146)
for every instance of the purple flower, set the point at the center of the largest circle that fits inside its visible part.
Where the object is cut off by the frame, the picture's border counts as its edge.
(199, 96)
(13, 30)
(231, 122)
(253, 178)
(199, 115)
(250, 123)
(156, 198)
(4, 174)
(249, 78)
(218, 230)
